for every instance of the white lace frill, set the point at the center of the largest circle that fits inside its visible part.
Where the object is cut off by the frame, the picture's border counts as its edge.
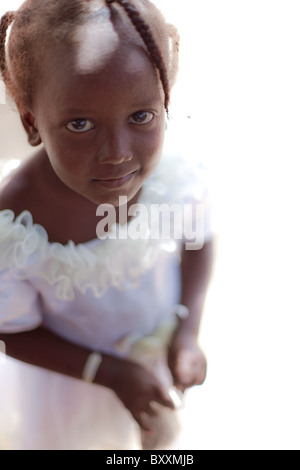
(26, 252)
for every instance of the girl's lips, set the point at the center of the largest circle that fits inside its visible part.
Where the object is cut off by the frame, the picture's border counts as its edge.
(114, 182)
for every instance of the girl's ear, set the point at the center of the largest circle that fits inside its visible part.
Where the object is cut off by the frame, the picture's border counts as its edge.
(28, 122)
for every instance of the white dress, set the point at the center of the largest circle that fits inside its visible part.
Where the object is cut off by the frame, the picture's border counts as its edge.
(117, 296)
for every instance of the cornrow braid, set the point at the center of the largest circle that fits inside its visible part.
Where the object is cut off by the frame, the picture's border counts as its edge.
(6, 21)
(147, 36)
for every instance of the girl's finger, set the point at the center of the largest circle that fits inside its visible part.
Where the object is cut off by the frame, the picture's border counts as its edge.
(141, 419)
(163, 398)
(151, 411)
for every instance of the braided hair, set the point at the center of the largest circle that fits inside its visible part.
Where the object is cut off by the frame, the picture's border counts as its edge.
(38, 25)
(147, 36)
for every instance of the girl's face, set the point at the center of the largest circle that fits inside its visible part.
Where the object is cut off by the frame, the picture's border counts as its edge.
(103, 131)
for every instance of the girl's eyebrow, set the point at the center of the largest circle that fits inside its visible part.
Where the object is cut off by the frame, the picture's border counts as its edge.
(147, 100)
(139, 105)
(75, 111)
(65, 114)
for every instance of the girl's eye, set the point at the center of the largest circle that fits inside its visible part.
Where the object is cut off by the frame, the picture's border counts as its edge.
(141, 118)
(80, 126)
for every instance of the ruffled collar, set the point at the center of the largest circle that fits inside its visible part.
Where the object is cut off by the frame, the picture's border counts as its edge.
(97, 265)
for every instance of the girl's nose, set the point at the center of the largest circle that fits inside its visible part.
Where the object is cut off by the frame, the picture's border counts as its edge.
(115, 148)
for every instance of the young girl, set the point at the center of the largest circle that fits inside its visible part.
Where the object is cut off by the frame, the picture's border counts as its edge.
(107, 325)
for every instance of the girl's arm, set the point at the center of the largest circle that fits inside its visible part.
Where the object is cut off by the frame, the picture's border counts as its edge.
(135, 387)
(187, 361)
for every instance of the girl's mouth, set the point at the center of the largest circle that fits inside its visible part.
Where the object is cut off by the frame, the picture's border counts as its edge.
(114, 182)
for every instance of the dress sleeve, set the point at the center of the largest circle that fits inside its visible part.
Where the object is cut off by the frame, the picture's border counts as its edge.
(19, 305)
(198, 228)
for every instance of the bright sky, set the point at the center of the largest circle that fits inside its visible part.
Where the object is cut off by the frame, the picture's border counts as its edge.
(240, 83)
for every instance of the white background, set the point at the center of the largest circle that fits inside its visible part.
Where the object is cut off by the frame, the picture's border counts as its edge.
(240, 83)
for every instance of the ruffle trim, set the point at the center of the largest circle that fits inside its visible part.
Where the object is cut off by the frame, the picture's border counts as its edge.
(26, 252)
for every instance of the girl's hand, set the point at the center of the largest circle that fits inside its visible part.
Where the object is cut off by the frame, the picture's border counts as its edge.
(137, 389)
(187, 363)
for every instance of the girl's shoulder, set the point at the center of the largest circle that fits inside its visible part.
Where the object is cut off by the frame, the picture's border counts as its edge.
(27, 189)
(20, 190)
(34, 188)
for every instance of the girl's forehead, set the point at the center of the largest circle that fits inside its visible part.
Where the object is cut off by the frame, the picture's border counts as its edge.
(124, 59)
(128, 71)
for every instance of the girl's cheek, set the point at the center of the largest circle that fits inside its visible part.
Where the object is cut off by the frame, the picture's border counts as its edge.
(67, 150)
(156, 143)
(154, 140)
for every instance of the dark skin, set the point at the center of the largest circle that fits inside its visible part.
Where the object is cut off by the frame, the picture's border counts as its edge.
(122, 135)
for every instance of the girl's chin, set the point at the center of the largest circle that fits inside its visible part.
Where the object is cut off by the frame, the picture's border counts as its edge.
(115, 192)
(118, 199)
